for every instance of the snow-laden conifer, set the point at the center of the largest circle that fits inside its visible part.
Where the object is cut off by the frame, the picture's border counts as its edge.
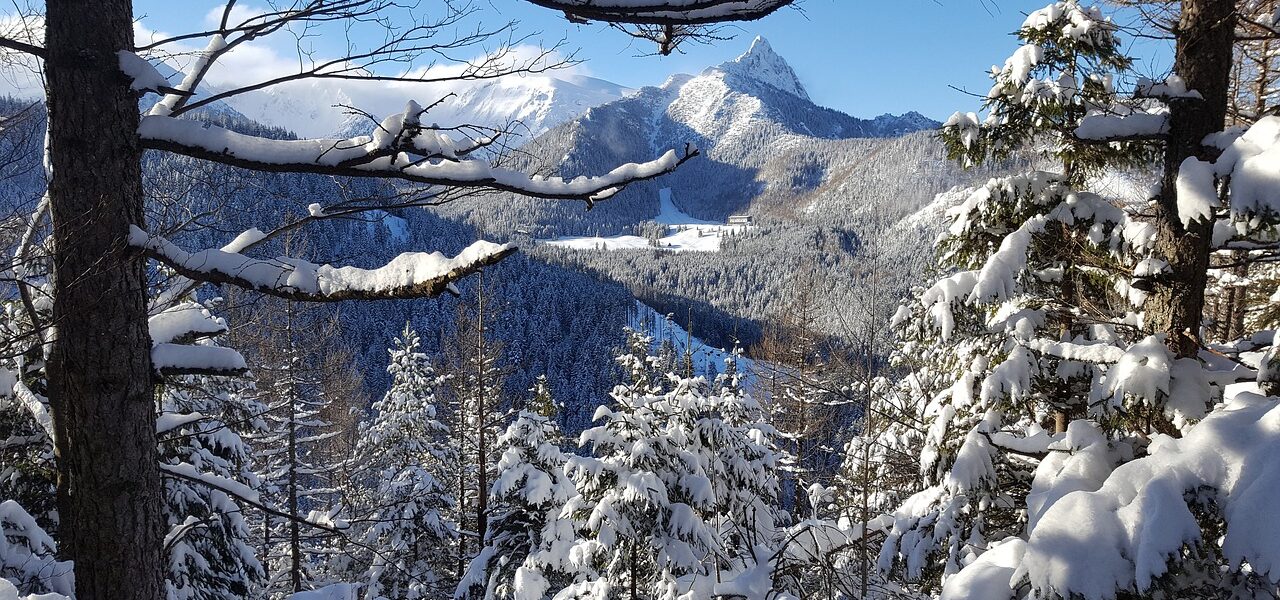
(401, 452)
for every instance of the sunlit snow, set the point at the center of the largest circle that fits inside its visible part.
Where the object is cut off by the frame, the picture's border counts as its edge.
(683, 233)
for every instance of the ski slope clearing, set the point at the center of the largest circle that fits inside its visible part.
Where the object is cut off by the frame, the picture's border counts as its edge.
(706, 359)
(683, 233)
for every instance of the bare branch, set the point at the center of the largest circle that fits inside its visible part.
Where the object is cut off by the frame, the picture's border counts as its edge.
(23, 47)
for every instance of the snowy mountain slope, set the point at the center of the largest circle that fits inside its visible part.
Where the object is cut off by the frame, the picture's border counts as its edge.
(762, 141)
(706, 359)
(679, 233)
(536, 102)
(821, 185)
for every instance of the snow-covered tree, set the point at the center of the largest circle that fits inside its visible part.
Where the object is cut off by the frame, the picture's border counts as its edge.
(642, 497)
(208, 467)
(524, 555)
(1063, 392)
(400, 456)
(99, 369)
(1037, 300)
(681, 489)
(1066, 68)
(28, 557)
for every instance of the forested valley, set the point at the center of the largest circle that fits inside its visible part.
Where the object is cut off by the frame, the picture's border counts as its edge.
(523, 333)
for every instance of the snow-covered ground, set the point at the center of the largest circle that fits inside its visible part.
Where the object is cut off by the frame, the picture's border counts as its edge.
(683, 233)
(661, 329)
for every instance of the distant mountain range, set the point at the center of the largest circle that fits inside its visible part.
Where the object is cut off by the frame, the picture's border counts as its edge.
(821, 184)
(766, 148)
(534, 103)
(540, 102)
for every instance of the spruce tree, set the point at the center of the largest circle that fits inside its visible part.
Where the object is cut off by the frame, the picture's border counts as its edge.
(523, 556)
(401, 453)
(1013, 342)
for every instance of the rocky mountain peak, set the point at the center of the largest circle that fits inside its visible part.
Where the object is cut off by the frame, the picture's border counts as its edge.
(761, 63)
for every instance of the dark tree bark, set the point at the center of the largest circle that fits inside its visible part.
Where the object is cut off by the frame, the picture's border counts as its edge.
(100, 383)
(1204, 58)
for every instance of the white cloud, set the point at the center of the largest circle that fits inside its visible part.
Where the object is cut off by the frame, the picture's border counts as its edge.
(239, 14)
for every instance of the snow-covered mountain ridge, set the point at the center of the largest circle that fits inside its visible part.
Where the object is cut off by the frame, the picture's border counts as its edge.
(532, 103)
(764, 65)
(764, 144)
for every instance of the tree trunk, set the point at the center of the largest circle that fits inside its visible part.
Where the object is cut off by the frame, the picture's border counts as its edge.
(100, 384)
(635, 561)
(295, 406)
(1203, 60)
(482, 422)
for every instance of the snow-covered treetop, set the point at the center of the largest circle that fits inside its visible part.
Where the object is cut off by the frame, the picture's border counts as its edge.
(1064, 70)
(1073, 21)
(762, 64)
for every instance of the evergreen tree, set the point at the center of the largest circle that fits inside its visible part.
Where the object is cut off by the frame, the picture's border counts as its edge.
(681, 483)
(1014, 342)
(401, 452)
(1066, 68)
(1051, 413)
(524, 554)
(643, 493)
(210, 546)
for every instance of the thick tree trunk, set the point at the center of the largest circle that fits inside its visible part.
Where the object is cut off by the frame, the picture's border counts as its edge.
(100, 383)
(1203, 60)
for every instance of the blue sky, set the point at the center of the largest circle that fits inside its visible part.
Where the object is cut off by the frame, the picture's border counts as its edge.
(863, 57)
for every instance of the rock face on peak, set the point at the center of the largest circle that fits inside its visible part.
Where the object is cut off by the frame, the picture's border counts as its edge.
(764, 65)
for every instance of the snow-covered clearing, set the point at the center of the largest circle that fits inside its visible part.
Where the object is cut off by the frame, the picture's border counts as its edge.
(683, 233)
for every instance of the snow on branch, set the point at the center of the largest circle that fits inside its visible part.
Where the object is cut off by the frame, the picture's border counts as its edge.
(189, 472)
(174, 330)
(144, 75)
(177, 359)
(185, 322)
(1122, 537)
(410, 275)
(402, 147)
(665, 12)
(1107, 127)
(36, 405)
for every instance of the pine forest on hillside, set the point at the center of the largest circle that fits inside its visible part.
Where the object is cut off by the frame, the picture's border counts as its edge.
(404, 300)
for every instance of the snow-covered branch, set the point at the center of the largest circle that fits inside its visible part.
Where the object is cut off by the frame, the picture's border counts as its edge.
(401, 148)
(1136, 126)
(410, 275)
(665, 12)
(177, 359)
